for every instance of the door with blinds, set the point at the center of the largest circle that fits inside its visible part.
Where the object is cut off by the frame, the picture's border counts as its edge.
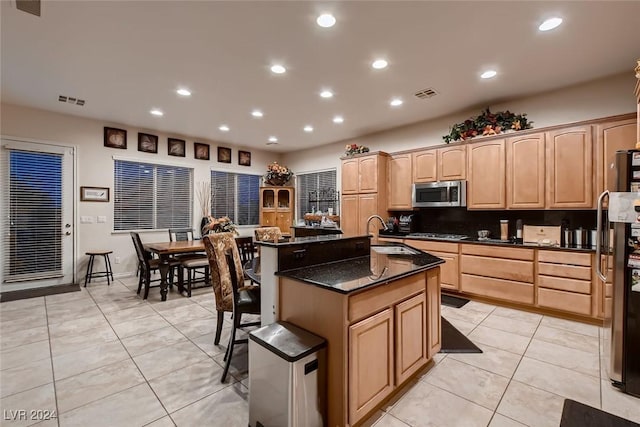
(37, 211)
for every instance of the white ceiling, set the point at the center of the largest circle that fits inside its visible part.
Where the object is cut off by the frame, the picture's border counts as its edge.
(126, 57)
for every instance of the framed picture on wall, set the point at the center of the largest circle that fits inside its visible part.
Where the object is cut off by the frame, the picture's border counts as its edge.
(224, 155)
(115, 138)
(175, 147)
(94, 194)
(244, 158)
(201, 151)
(147, 143)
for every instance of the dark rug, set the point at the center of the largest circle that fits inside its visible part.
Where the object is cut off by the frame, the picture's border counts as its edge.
(576, 414)
(38, 292)
(453, 341)
(453, 301)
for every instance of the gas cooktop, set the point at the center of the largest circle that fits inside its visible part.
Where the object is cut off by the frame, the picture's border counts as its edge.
(440, 236)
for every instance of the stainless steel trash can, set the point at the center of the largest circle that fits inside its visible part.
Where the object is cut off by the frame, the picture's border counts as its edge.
(287, 384)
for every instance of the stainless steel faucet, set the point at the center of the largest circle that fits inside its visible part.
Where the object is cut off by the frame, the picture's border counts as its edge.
(384, 224)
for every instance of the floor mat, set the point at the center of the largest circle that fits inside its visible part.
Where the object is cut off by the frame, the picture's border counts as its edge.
(576, 414)
(453, 341)
(453, 301)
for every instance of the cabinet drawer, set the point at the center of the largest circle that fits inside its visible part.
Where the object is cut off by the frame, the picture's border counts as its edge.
(566, 301)
(370, 301)
(563, 284)
(559, 257)
(428, 246)
(561, 270)
(499, 252)
(497, 288)
(509, 269)
(449, 271)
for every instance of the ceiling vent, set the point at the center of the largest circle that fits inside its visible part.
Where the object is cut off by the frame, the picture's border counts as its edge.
(426, 93)
(29, 6)
(71, 100)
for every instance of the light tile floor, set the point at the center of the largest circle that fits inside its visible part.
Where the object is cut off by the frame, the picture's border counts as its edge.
(103, 356)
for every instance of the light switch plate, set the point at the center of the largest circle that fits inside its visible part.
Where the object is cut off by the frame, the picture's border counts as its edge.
(102, 219)
(86, 220)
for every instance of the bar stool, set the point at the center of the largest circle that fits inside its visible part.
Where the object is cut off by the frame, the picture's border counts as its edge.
(107, 263)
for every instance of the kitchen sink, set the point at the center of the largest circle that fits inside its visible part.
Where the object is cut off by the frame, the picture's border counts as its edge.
(394, 250)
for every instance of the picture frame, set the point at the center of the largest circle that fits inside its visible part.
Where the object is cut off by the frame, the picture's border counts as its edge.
(115, 138)
(224, 155)
(176, 147)
(94, 194)
(244, 158)
(147, 143)
(201, 151)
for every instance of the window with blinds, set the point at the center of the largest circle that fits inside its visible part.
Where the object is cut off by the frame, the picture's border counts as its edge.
(149, 196)
(33, 203)
(317, 192)
(235, 195)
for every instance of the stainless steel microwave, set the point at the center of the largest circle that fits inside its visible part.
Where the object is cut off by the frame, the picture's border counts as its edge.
(439, 194)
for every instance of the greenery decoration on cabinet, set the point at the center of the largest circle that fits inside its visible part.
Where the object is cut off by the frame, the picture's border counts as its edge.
(488, 123)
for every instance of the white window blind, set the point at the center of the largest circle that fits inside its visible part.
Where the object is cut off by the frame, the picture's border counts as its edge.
(32, 248)
(148, 196)
(235, 195)
(317, 192)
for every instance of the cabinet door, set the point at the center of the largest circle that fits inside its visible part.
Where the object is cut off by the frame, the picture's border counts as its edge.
(349, 215)
(449, 271)
(370, 363)
(368, 174)
(434, 335)
(411, 336)
(452, 163)
(400, 182)
(486, 183)
(283, 220)
(612, 136)
(367, 206)
(268, 218)
(569, 163)
(425, 166)
(525, 172)
(350, 176)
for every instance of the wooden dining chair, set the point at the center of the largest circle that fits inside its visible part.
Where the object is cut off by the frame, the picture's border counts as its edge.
(247, 250)
(147, 264)
(192, 263)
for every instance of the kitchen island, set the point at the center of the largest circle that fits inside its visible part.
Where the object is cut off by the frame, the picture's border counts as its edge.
(378, 307)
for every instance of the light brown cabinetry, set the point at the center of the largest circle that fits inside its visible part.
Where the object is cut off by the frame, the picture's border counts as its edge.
(356, 208)
(277, 207)
(525, 171)
(569, 162)
(364, 174)
(612, 136)
(425, 166)
(400, 182)
(486, 173)
(411, 336)
(350, 174)
(450, 270)
(565, 281)
(452, 163)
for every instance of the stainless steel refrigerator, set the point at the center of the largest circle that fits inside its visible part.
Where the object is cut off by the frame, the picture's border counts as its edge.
(622, 316)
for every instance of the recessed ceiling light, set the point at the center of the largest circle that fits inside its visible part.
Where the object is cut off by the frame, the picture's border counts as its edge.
(273, 139)
(395, 102)
(379, 64)
(183, 92)
(338, 119)
(550, 24)
(326, 94)
(278, 69)
(224, 128)
(308, 128)
(156, 112)
(326, 20)
(488, 74)
(257, 113)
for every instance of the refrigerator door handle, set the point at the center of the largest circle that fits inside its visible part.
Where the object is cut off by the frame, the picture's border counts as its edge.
(602, 276)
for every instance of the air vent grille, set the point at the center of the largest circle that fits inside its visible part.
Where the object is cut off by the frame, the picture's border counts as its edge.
(29, 6)
(71, 100)
(426, 93)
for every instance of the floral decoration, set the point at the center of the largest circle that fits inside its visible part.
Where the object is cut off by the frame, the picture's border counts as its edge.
(277, 174)
(351, 149)
(487, 123)
(219, 225)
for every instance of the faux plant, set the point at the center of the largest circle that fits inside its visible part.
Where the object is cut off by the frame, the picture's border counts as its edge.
(219, 225)
(277, 174)
(351, 149)
(487, 123)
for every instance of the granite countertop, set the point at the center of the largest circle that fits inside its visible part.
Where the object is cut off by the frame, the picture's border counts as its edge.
(356, 274)
(290, 241)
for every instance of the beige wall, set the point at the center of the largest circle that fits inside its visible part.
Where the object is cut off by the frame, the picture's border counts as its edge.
(95, 168)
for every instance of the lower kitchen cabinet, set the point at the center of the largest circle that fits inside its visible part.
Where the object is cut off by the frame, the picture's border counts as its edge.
(450, 270)
(565, 281)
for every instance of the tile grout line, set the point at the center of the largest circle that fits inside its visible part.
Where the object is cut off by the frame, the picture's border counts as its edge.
(53, 375)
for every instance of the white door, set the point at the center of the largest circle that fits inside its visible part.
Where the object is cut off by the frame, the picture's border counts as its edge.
(37, 210)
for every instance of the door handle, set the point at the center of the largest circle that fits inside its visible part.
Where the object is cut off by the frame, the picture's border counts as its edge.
(68, 233)
(602, 276)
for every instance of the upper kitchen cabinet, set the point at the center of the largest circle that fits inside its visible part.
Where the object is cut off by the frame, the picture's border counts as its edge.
(486, 172)
(400, 181)
(525, 171)
(425, 166)
(569, 163)
(363, 174)
(452, 163)
(350, 181)
(612, 136)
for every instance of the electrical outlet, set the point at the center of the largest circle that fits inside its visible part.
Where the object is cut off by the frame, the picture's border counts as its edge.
(117, 260)
(86, 220)
(102, 219)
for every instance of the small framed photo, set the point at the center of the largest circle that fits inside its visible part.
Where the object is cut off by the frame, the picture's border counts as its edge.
(175, 147)
(115, 138)
(147, 143)
(94, 194)
(244, 158)
(201, 151)
(224, 155)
